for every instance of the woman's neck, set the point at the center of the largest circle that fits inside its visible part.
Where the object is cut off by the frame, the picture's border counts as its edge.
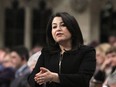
(65, 47)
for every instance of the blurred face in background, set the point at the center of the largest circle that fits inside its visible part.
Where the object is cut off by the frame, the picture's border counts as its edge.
(100, 57)
(101, 52)
(16, 60)
(7, 62)
(112, 57)
(112, 40)
(2, 55)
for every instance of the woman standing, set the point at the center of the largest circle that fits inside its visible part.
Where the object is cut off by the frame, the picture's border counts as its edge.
(66, 62)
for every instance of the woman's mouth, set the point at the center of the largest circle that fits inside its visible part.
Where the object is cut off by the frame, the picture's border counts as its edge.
(59, 34)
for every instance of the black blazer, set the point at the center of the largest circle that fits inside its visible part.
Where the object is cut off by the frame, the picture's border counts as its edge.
(77, 67)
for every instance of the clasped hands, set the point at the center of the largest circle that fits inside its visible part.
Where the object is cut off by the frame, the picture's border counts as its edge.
(46, 75)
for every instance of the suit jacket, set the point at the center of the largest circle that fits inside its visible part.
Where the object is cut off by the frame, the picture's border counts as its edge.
(23, 72)
(20, 82)
(77, 67)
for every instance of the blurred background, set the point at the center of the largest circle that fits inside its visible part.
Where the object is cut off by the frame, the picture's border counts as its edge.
(23, 33)
(23, 22)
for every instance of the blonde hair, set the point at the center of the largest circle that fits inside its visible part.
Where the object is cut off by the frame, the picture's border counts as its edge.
(103, 48)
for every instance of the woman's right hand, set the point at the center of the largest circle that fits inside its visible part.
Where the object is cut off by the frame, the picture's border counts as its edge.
(46, 75)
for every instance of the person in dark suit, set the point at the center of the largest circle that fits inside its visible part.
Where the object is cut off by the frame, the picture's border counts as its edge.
(65, 62)
(19, 56)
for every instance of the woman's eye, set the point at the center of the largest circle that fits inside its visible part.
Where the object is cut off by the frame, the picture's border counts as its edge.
(63, 24)
(54, 27)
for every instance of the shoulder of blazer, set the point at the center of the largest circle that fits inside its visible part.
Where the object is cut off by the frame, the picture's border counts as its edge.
(86, 48)
(81, 49)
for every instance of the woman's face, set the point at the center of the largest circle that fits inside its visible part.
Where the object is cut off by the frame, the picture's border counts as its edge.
(100, 57)
(60, 32)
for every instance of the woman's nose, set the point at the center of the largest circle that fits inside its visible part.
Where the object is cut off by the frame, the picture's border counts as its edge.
(59, 27)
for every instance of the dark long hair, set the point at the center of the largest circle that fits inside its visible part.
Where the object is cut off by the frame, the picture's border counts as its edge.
(71, 25)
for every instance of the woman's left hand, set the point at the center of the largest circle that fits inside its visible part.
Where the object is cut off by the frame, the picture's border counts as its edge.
(45, 75)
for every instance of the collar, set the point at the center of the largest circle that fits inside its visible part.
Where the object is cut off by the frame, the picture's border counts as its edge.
(22, 68)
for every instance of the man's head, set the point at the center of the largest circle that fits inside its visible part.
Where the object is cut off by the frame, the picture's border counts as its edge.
(111, 54)
(19, 56)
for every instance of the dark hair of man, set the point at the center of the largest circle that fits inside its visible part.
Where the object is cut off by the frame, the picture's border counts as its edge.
(21, 51)
(71, 25)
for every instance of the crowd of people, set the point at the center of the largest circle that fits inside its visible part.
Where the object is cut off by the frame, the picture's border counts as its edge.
(64, 62)
(105, 73)
(16, 64)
